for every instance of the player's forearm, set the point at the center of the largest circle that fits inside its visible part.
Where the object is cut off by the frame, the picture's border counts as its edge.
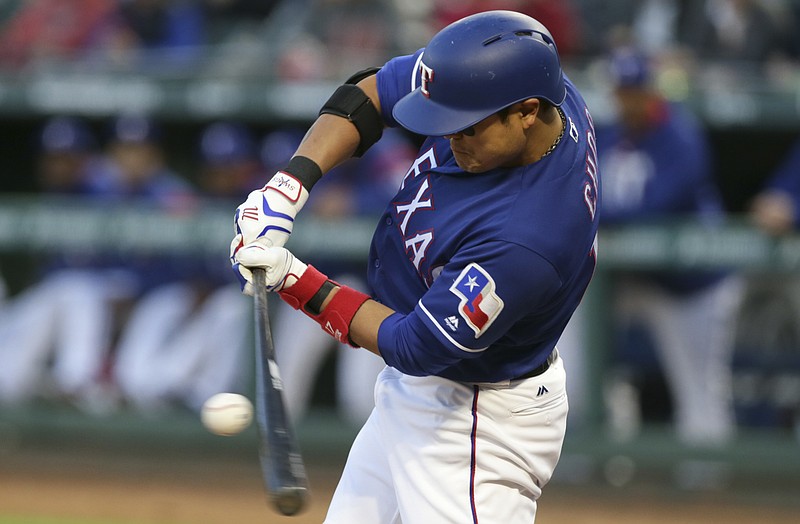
(330, 141)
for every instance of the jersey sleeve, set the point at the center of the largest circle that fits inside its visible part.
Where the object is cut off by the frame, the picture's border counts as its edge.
(473, 303)
(398, 77)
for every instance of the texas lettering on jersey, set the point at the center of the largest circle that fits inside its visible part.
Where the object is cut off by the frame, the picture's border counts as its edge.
(417, 242)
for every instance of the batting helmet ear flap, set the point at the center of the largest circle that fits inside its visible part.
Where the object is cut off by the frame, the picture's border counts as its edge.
(350, 102)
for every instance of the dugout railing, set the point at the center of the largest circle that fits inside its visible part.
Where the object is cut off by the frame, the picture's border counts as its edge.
(32, 225)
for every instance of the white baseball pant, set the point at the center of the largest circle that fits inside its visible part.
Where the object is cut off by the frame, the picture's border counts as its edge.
(435, 450)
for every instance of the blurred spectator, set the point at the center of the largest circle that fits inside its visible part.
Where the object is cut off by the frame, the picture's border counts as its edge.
(562, 18)
(56, 335)
(776, 208)
(688, 315)
(736, 31)
(769, 328)
(186, 340)
(155, 34)
(356, 188)
(67, 160)
(332, 38)
(137, 164)
(231, 164)
(227, 16)
(53, 319)
(52, 29)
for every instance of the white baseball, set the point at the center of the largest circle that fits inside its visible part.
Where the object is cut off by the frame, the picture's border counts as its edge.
(227, 414)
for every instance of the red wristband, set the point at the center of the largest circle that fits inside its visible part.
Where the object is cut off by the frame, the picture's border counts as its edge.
(336, 317)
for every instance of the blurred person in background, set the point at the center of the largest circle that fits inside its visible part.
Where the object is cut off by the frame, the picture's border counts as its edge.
(562, 18)
(776, 207)
(358, 190)
(176, 349)
(325, 37)
(226, 17)
(55, 335)
(773, 300)
(136, 167)
(657, 166)
(48, 30)
(738, 32)
(154, 34)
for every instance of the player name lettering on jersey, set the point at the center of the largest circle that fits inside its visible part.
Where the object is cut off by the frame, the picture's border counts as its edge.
(479, 304)
(590, 186)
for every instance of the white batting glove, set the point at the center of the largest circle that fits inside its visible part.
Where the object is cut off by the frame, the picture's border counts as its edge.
(283, 269)
(268, 213)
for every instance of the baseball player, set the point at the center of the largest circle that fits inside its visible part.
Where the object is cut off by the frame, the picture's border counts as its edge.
(168, 350)
(688, 314)
(776, 208)
(476, 264)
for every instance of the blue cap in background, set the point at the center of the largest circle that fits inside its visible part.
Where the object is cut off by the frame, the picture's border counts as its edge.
(134, 129)
(630, 68)
(66, 134)
(278, 146)
(225, 143)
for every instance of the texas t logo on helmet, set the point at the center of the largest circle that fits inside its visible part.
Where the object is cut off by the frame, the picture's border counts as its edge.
(426, 74)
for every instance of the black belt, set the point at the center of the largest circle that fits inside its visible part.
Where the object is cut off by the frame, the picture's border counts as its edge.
(535, 372)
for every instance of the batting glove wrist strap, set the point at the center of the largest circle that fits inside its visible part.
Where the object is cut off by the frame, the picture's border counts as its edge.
(299, 293)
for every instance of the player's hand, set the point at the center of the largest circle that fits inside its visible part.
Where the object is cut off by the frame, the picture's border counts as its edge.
(774, 212)
(283, 269)
(268, 213)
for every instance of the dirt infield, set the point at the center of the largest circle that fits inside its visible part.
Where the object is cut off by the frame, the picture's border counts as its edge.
(169, 490)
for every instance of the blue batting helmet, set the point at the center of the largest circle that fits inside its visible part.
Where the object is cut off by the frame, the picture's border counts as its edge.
(477, 66)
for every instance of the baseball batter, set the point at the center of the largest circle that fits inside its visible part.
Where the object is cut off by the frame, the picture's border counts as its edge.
(476, 264)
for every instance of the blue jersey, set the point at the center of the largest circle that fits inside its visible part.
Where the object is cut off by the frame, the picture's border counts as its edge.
(483, 270)
(644, 180)
(662, 173)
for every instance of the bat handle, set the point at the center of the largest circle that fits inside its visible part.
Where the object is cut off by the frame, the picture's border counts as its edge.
(263, 330)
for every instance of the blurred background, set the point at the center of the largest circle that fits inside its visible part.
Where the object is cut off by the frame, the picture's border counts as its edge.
(131, 129)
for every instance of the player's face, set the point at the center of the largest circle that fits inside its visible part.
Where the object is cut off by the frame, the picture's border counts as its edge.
(634, 106)
(496, 141)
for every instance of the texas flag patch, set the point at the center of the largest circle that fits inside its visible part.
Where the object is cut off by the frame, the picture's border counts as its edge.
(479, 304)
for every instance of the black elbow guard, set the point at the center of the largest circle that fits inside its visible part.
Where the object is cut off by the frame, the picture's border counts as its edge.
(350, 102)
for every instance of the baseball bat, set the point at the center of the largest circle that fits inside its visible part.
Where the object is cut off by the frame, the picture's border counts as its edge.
(281, 462)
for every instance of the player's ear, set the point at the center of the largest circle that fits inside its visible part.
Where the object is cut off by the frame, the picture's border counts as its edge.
(529, 111)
